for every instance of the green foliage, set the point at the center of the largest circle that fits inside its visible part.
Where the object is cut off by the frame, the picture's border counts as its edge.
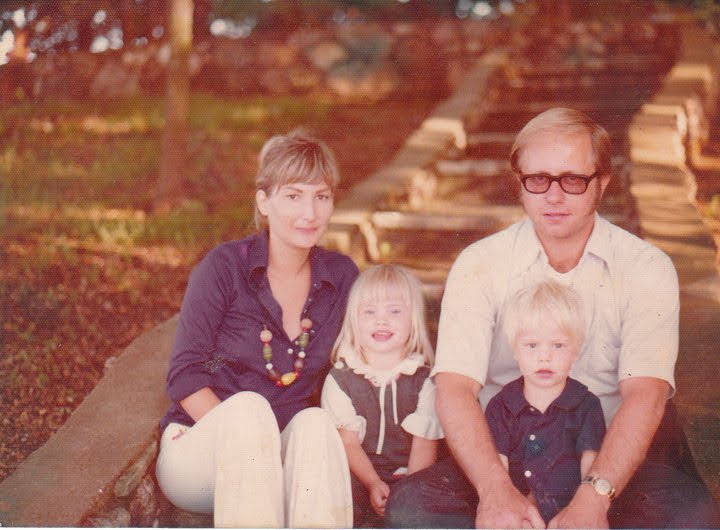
(86, 171)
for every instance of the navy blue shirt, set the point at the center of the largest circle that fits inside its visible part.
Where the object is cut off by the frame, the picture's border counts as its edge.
(544, 448)
(227, 302)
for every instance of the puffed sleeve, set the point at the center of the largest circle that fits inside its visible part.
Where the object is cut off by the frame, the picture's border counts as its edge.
(208, 294)
(499, 428)
(424, 421)
(592, 430)
(341, 409)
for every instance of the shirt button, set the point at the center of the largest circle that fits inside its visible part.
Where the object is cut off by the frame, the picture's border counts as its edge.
(290, 350)
(532, 409)
(528, 473)
(532, 437)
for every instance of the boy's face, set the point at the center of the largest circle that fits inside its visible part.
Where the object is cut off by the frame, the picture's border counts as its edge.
(545, 355)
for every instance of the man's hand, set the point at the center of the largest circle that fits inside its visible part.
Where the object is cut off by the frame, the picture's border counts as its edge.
(587, 509)
(503, 506)
(379, 492)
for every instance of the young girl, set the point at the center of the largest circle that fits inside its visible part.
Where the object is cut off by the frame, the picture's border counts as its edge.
(378, 392)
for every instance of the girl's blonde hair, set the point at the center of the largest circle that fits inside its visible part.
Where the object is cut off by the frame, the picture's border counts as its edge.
(547, 301)
(373, 284)
(294, 157)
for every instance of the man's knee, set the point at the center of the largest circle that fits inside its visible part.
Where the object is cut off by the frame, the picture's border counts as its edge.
(403, 504)
(663, 496)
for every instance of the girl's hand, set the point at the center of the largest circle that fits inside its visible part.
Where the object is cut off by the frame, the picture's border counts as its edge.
(379, 492)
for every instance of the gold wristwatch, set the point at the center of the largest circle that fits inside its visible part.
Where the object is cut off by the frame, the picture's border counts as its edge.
(601, 486)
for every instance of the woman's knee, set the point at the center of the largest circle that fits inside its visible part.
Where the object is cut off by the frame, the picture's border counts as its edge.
(245, 415)
(312, 419)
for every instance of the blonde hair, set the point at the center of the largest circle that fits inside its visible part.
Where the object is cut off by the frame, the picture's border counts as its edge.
(294, 157)
(372, 284)
(568, 121)
(541, 303)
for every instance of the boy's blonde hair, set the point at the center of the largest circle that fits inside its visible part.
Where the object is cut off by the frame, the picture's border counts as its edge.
(373, 284)
(546, 301)
(290, 158)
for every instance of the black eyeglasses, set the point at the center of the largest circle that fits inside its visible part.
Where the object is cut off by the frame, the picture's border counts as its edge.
(569, 182)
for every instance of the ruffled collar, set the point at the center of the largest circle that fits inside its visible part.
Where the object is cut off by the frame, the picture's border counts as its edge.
(380, 378)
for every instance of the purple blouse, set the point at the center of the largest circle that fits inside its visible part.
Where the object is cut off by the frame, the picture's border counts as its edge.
(227, 302)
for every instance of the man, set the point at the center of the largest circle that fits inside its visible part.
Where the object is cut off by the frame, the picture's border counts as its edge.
(630, 290)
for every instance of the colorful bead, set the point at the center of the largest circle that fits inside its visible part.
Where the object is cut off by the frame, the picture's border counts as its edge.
(288, 378)
(266, 335)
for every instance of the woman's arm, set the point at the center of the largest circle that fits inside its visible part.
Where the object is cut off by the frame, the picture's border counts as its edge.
(200, 403)
(423, 453)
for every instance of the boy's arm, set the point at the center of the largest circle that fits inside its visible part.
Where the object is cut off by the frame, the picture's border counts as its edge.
(586, 462)
(505, 461)
(423, 453)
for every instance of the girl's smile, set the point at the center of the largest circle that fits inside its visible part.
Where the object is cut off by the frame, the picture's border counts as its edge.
(384, 323)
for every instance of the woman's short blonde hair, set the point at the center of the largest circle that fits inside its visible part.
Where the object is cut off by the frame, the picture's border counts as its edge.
(568, 121)
(373, 284)
(543, 303)
(294, 157)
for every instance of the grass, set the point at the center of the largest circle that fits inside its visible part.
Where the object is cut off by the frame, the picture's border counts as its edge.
(88, 156)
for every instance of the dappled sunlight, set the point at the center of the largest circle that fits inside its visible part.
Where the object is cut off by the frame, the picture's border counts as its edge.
(166, 255)
(47, 212)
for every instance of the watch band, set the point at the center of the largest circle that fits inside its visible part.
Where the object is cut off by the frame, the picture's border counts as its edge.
(602, 486)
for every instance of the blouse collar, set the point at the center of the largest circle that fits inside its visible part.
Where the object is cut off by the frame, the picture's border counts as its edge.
(378, 377)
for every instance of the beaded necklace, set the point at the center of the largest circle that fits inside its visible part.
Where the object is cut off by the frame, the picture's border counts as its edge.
(288, 378)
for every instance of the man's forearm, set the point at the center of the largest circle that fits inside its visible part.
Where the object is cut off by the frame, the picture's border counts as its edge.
(631, 431)
(466, 430)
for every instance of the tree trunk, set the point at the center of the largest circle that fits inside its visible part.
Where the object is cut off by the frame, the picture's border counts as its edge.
(174, 142)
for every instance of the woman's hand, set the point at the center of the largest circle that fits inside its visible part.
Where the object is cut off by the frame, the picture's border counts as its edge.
(379, 492)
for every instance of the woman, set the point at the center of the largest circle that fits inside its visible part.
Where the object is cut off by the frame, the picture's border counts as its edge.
(257, 324)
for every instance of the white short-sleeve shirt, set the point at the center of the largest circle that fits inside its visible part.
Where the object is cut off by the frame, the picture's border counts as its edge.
(629, 289)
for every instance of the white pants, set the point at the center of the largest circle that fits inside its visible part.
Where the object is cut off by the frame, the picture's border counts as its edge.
(235, 464)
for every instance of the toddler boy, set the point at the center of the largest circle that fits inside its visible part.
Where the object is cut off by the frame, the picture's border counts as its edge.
(547, 426)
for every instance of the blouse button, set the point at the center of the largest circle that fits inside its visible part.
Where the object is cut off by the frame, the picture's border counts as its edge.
(528, 473)
(532, 437)
(290, 351)
(532, 409)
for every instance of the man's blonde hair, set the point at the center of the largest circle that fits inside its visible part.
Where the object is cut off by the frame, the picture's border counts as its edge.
(543, 303)
(373, 284)
(567, 121)
(291, 158)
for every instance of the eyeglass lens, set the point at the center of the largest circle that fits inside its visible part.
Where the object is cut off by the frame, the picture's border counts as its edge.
(540, 183)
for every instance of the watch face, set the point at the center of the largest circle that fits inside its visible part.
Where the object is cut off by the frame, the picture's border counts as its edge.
(602, 486)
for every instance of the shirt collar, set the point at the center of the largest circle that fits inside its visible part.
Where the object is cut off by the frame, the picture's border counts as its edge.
(514, 399)
(528, 247)
(258, 255)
